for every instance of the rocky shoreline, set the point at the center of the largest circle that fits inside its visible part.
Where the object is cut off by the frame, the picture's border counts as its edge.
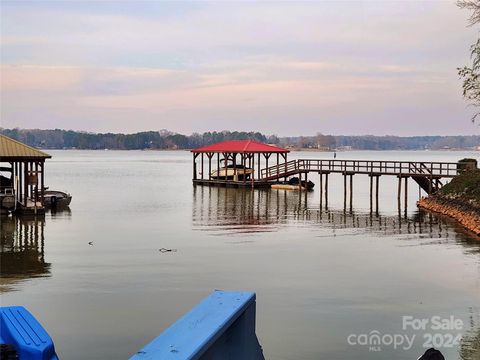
(466, 214)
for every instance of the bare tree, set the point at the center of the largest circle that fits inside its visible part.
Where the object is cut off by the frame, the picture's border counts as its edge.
(474, 7)
(471, 74)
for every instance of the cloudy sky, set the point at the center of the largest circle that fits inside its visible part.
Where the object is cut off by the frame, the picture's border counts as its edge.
(290, 68)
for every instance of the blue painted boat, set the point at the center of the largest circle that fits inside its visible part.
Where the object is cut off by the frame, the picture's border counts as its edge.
(22, 336)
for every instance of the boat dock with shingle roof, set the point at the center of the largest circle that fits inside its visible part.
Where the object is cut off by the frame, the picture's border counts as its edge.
(22, 177)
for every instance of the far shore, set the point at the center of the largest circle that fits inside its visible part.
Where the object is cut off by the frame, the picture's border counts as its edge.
(289, 148)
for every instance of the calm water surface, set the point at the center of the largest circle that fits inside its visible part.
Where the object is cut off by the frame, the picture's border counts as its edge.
(319, 274)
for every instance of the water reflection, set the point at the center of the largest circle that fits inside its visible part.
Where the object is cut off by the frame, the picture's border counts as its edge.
(221, 211)
(21, 250)
(469, 348)
(64, 212)
(227, 210)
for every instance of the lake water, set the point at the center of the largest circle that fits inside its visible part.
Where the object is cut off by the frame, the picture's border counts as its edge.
(321, 275)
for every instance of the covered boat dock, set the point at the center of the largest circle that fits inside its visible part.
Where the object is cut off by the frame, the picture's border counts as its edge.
(237, 163)
(22, 177)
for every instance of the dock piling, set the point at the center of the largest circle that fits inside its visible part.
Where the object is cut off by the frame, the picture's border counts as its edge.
(406, 196)
(371, 194)
(351, 192)
(326, 191)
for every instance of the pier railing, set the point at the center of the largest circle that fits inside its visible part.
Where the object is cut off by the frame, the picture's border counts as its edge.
(372, 167)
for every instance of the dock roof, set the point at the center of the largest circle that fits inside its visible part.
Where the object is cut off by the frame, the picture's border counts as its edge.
(240, 146)
(13, 150)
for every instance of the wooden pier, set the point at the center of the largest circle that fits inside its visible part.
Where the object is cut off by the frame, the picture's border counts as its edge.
(428, 175)
(252, 155)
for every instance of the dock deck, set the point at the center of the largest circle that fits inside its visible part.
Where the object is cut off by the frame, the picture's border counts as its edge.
(369, 167)
(426, 174)
(256, 184)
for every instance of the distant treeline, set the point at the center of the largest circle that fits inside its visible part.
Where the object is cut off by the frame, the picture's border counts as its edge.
(68, 139)
(408, 143)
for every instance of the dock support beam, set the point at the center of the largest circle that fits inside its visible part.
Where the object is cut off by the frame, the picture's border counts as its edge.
(25, 183)
(278, 163)
(326, 191)
(371, 193)
(345, 175)
(258, 164)
(210, 155)
(351, 192)
(399, 191)
(42, 179)
(399, 194)
(406, 195)
(321, 189)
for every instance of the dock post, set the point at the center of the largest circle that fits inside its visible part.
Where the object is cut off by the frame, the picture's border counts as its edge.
(406, 195)
(399, 192)
(25, 183)
(376, 194)
(202, 164)
(253, 166)
(194, 168)
(225, 161)
(234, 157)
(326, 191)
(36, 186)
(344, 191)
(321, 189)
(258, 166)
(42, 179)
(351, 192)
(244, 161)
(278, 167)
(371, 194)
(210, 155)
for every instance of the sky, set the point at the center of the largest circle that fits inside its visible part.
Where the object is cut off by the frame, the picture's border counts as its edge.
(285, 68)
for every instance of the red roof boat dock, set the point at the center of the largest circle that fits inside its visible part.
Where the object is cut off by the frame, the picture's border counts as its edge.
(238, 163)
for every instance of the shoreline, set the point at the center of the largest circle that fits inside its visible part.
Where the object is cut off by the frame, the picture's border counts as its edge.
(465, 214)
(291, 149)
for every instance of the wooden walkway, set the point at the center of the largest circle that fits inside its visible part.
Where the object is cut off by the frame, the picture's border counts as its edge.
(426, 174)
(369, 167)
